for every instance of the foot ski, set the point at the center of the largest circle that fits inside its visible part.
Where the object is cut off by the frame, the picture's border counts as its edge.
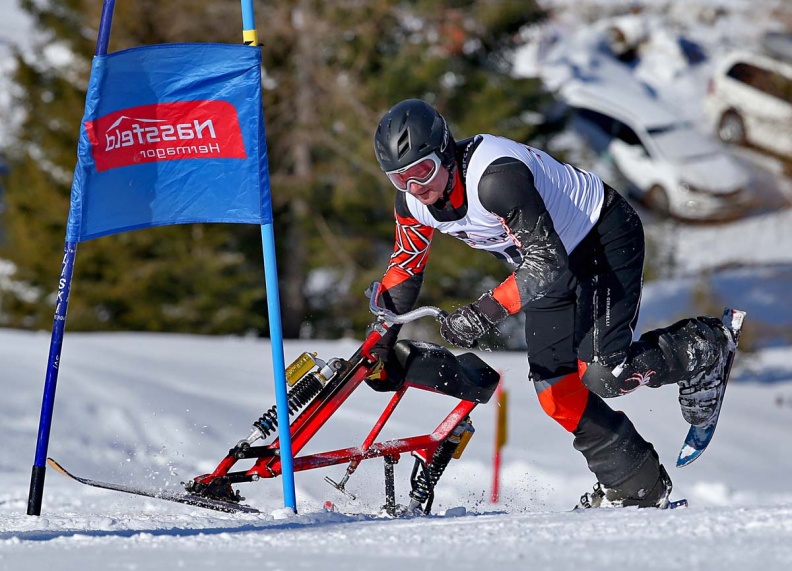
(402, 513)
(698, 438)
(671, 505)
(172, 496)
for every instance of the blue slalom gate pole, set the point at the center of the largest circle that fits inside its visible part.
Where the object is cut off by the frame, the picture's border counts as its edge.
(248, 18)
(279, 367)
(250, 37)
(105, 24)
(51, 380)
(59, 324)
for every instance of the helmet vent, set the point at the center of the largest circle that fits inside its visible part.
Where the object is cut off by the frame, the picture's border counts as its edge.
(404, 143)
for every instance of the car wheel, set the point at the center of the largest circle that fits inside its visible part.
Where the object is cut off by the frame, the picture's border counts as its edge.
(657, 200)
(731, 128)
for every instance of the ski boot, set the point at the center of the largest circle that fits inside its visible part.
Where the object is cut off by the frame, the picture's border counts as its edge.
(649, 487)
(699, 396)
(214, 489)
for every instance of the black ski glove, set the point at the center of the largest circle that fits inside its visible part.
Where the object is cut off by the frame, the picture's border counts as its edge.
(464, 326)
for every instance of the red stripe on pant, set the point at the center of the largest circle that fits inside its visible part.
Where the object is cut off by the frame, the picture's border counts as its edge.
(565, 400)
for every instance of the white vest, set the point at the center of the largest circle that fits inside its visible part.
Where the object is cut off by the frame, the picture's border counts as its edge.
(572, 197)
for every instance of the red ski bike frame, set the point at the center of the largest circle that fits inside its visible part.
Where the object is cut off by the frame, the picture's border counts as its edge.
(339, 378)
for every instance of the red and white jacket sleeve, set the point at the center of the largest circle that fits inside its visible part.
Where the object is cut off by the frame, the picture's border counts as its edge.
(402, 281)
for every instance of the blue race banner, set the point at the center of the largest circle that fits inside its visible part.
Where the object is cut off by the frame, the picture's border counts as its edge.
(172, 134)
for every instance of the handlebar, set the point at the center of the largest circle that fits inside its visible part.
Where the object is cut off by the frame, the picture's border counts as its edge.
(393, 318)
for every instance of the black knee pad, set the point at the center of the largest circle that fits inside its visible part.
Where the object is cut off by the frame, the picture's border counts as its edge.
(599, 379)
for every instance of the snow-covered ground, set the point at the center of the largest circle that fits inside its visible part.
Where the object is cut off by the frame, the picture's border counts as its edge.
(160, 409)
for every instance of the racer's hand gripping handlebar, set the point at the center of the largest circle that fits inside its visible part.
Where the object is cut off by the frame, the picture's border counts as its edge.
(388, 317)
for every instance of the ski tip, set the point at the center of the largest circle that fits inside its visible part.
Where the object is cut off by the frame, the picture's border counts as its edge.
(733, 318)
(52, 463)
(692, 448)
(695, 444)
(687, 455)
(676, 504)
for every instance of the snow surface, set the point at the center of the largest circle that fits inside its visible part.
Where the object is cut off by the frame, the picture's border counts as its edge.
(160, 409)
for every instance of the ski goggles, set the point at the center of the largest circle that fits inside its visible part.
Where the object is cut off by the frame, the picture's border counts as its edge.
(421, 171)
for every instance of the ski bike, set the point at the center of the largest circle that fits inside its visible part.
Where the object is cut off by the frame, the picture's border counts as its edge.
(319, 388)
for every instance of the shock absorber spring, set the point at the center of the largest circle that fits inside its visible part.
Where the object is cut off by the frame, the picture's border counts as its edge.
(299, 395)
(426, 479)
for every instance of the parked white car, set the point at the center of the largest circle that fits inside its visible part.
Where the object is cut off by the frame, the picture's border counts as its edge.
(672, 167)
(749, 100)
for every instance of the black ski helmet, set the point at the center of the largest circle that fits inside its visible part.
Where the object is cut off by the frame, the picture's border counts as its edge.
(409, 131)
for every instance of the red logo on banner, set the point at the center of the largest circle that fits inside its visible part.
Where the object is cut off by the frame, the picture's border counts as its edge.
(166, 132)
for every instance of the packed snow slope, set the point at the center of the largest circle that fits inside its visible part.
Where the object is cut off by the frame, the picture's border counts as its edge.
(156, 410)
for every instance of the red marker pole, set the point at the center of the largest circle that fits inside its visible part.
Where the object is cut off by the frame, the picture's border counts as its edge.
(501, 422)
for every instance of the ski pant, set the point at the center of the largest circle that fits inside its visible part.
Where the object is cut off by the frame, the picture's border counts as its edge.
(581, 349)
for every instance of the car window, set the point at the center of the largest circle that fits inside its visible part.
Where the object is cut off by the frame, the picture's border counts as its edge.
(742, 72)
(764, 80)
(612, 127)
(602, 121)
(626, 134)
(779, 86)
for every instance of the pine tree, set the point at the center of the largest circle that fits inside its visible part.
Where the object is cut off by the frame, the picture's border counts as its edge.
(335, 68)
(331, 70)
(166, 279)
